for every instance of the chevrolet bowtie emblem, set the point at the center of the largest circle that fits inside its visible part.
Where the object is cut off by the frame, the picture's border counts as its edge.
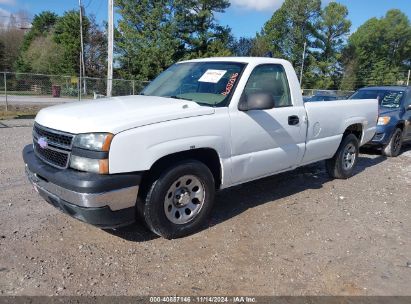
(42, 141)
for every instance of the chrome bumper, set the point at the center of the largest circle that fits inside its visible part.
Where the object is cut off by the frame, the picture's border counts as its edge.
(115, 199)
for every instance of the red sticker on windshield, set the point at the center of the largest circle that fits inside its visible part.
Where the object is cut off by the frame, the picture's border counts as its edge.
(230, 84)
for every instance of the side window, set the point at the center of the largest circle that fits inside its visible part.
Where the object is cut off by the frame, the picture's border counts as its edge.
(272, 79)
(408, 101)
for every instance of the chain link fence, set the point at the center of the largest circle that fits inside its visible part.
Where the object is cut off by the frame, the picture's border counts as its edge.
(339, 94)
(18, 89)
(28, 89)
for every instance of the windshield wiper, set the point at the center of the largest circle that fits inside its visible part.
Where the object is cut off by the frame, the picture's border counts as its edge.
(180, 98)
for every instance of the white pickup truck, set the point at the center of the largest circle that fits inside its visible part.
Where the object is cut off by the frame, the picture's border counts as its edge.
(200, 126)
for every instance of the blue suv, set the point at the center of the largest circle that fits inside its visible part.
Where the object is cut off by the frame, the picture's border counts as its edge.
(394, 122)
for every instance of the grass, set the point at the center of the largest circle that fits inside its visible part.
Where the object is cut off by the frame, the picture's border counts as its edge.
(19, 112)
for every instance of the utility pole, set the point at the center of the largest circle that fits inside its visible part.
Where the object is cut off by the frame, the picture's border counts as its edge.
(110, 47)
(408, 79)
(82, 65)
(302, 65)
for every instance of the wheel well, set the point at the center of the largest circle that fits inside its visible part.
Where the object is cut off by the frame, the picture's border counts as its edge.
(355, 129)
(207, 156)
(401, 126)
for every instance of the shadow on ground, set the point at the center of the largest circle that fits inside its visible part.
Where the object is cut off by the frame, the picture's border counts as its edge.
(234, 201)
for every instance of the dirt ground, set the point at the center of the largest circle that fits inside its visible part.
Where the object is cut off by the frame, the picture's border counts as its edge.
(297, 233)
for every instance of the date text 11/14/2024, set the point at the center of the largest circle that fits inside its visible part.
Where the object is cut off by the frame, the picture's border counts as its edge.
(203, 299)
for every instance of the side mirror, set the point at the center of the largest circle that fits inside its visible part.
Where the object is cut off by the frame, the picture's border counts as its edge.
(257, 101)
(409, 108)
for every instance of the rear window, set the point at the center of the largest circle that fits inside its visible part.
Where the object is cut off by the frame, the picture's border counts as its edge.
(386, 98)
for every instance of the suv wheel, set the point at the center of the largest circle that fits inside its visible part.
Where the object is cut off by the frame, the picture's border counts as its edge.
(393, 149)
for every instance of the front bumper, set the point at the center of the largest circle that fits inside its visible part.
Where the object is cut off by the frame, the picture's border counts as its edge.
(106, 201)
(382, 136)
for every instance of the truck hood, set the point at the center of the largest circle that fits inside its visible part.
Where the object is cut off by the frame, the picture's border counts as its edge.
(114, 115)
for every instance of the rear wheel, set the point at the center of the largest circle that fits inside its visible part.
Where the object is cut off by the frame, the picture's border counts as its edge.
(343, 163)
(393, 148)
(180, 200)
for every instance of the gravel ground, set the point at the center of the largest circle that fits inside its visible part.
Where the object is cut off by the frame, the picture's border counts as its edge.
(297, 233)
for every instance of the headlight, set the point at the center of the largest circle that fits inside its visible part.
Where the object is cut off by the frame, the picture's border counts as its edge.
(94, 141)
(385, 120)
(89, 165)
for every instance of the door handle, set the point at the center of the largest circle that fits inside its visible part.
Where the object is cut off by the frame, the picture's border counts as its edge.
(293, 120)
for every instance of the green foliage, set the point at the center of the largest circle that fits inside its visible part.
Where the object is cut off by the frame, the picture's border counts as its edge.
(198, 30)
(41, 25)
(243, 46)
(2, 55)
(95, 51)
(44, 56)
(289, 28)
(332, 30)
(153, 34)
(378, 51)
(145, 39)
(67, 34)
(260, 46)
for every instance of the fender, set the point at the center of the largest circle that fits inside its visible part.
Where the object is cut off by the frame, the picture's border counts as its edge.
(138, 149)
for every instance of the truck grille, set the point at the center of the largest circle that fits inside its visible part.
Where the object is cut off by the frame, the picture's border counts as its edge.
(58, 148)
(55, 138)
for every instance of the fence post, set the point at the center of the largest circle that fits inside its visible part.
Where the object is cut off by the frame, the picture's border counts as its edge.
(133, 82)
(5, 90)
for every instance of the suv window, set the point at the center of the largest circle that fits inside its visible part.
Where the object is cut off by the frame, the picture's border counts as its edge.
(272, 79)
(408, 101)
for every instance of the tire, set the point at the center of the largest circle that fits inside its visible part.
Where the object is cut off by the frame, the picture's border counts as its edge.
(180, 200)
(393, 148)
(342, 165)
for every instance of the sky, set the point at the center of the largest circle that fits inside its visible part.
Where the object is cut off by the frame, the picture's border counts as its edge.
(245, 17)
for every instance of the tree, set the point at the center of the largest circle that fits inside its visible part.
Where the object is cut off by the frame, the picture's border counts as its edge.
(2, 55)
(67, 35)
(290, 27)
(41, 27)
(378, 51)
(146, 37)
(96, 51)
(12, 39)
(44, 56)
(198, 29)
(332, 30)
(243, 46)
(260, 47)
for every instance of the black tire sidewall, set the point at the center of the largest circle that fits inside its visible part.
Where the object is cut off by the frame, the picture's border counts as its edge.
(339, 170)
(354, 140)
(154, 214)
(388, 150)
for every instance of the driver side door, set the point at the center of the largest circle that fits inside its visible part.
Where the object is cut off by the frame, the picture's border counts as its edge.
(267, 141)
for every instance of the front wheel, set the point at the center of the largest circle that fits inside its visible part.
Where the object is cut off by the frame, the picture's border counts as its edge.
(343, 163)
(393, 148)
(180, 200)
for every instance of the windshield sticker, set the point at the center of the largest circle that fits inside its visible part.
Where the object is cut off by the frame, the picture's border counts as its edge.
(230, 84)
(212, 76)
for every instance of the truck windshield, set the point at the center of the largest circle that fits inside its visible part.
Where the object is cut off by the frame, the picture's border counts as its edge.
(386, 98)
(206, 83)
